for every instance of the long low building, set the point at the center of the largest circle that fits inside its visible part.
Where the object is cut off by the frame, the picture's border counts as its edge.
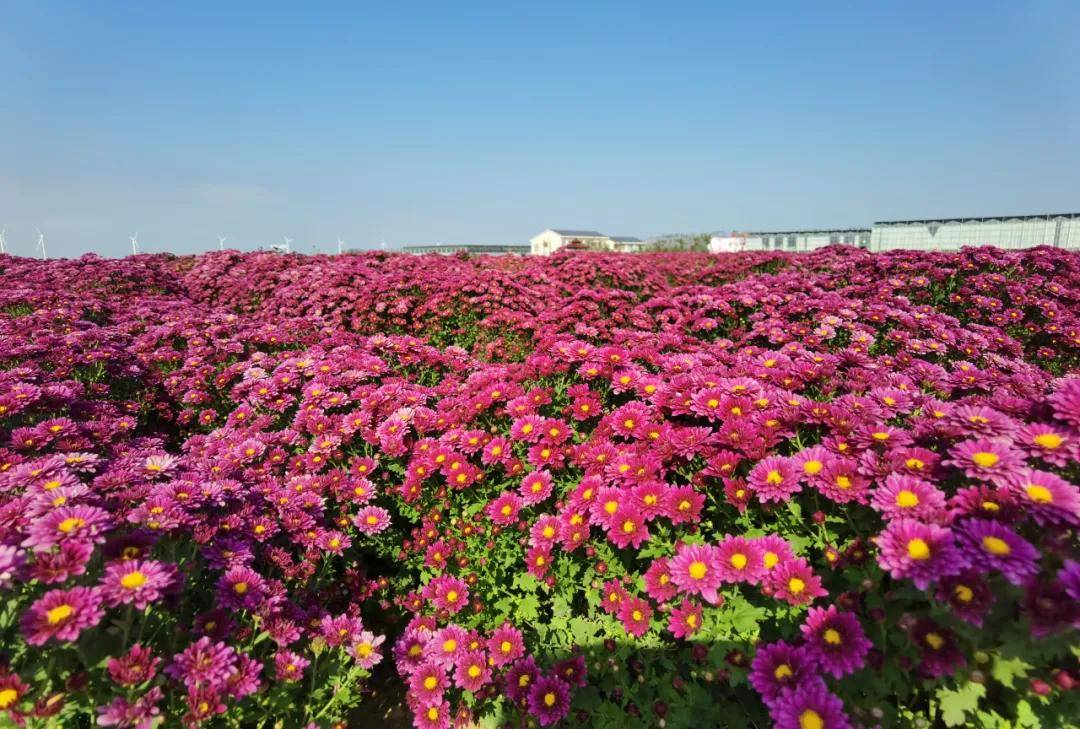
(1060, 230)
(472, 248)
(805, 240)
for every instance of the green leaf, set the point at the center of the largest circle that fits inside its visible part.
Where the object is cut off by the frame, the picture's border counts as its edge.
(955, 704)
(1007, 670)
(528, 608)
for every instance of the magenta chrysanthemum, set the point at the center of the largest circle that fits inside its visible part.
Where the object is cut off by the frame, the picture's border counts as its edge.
(695, 571)
(922, 553)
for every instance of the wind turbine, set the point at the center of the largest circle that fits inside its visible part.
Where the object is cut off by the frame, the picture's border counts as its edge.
(221, 242)
(288, 244)
(41, 243)
(3, 247)
(340, 246)
(134, 243)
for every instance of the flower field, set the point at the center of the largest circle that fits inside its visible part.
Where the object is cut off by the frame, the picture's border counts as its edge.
(815, 491)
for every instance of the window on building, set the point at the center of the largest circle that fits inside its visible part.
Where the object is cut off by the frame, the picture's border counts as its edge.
(791, 242)
(849, 238)
(833, 239)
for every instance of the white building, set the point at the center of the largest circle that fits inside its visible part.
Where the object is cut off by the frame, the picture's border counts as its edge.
(806, 240)
(727, 243)
(945, 234)
(552, 240)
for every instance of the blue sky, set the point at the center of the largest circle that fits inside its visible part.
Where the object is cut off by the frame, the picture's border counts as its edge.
(477, 122)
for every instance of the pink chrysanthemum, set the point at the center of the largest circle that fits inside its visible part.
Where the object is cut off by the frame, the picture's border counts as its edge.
(985, 459)
(1047, 498)
(774, 479)
(471, 671)
(740, 560)
(902, 496)
(62, 614)
(372, 520)
(685, 619)
(505, 645)
(136, 582)
(695, 570)
(794, 581)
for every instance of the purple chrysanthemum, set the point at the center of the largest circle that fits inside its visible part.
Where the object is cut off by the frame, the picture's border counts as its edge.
(778, 667)
(549, 700)
(992, 545)
(810, 706)
(836, 640)
(919, 552)
(1069, 577)
(968, 594)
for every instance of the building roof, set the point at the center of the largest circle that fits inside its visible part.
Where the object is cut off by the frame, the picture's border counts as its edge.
(809, 232)
(582, 233)
(1047, 216)
(625, 239)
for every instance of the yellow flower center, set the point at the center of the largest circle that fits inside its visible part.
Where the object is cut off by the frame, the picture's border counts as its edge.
(505, 646)
(59, 614)
(628, 527)
(432, 713)
(738, 560)
(997, 546)
(964, 593)
(8, 697)
(449, 645)
(832, 636)
(810, 719)
(1048, 440)
(771, 558)
(697, 570)
(914, 463)
(782, 671)
(795, 585)
(918, 549)
(67, 526)
(880, 435)
(843, 482)
(549, 699)
(774, 477)
(240, 588)
(691, 620)
(133, 580)
(812, 468)
(1039, 494)
(934, 640)
(985, 459)
(430, 683)
(907, 499)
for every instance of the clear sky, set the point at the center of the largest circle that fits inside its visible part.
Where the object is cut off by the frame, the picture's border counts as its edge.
(477, 122)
